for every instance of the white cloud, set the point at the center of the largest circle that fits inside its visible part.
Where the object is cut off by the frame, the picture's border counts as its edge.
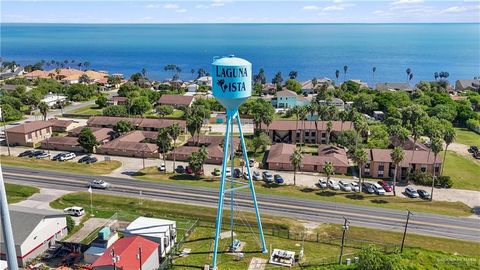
(171, 6)
(407, 2)
(337, 1)
(311, 7)
(460, 9)
(219, 3)
(337, 7)
(153, 6)
(200, 6)
(182, 10)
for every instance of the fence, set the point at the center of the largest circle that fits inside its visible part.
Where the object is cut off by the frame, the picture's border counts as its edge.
(167, 262)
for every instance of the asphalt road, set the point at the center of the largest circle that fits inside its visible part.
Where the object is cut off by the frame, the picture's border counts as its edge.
(306, 210)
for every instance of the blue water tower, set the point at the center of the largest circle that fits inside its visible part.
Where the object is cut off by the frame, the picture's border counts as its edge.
(232, 85)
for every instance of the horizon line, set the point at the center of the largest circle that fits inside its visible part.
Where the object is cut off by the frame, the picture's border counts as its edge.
(240, 22)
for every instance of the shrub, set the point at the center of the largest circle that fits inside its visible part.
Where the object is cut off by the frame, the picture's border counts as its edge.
(445, 181)
(421, 178)
(70, 223)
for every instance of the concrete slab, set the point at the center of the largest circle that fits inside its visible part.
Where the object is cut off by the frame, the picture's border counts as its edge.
(257, 264)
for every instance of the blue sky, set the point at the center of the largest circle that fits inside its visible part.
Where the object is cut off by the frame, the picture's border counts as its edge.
(240, 11)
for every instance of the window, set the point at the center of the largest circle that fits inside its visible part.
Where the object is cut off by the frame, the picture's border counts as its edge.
(381, 167)
(437, 168)
(313, 134)
(423, 168)
(307, 133)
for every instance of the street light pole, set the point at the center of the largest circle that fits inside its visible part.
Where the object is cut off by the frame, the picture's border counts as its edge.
(5, 132)
(7, 227)
(405, 231)
(344, 228)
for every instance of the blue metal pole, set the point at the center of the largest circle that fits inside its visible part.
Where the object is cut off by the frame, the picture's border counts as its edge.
(232, 185)
(252, 188)
(222, 189)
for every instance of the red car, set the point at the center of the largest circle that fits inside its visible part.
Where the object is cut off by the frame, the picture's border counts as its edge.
(385, 185)
(189, 170)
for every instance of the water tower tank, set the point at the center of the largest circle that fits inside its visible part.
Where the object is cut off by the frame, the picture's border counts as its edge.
(232, 81)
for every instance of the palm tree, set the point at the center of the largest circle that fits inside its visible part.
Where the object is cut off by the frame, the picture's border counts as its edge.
(448, 137)
(408, 71)
(435, 75)
(296, 159)
(144, 72)
(329, 130)
(345, 68)
(303, 114)
(436, 147)
(397, 156)
(360, 126)
(360, 158)
(296, 111)
(163, 141)
(293, 74)
(174, 131)
(193, 73)
(43, 107)
(328, 169)
(374, 69)
(337, 74)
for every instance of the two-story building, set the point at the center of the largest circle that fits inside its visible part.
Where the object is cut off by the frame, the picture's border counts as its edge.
(29, 133)
(288, 99)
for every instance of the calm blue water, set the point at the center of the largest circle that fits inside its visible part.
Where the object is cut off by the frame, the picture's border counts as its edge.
(311, 49)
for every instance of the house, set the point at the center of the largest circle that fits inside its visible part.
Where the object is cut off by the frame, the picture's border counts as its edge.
(176, 101)
(380, 163)
(37, 74)
(279, 158)
(60, 125)
(106, 237)
(288, 99)
(102, 135)
(336, 102)
(204, 81)
(361, 83)
(67, 75)
(269, 89)
(388, 86)
(409, 144)
(54, 100)
(192, 87)
(129, 253)
(137, 143)
(61, 143)
(34, 231)
(288, 131)
(29, 133)
(161, 231)
(308, 87)
(117, 100)
(464, 85)
(146, 124)
(378, 115)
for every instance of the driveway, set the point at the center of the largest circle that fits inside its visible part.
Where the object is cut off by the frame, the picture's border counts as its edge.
(42, 199)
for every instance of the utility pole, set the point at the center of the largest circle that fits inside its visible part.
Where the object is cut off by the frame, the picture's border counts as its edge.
(344, 228)
(7, 227)
(405, 231)
(139, 256)
(5, 131)
(115, 259)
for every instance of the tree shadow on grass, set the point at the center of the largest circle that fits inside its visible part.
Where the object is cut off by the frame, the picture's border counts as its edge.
(355, 196)
(378, 201)
(271, 185)
(326, 193)
(132, 173)
(188, 177)
(307, 190)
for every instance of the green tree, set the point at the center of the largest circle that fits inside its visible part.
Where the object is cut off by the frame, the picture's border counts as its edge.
(115, 110)
(361, 126)
(277, 79)
(174, 131)
(261, 141)
(436, 148)
(328, 169)
(337, 74)
(448, 138)
(87, 140)
(371, 259)
(345, 68)
(9, 113)
(329, 130)
(293, 74)
(196, 161)
(360, 158)
(101, 101)
(140, 105)
(84, 78)
(296, 158)
(397, 155)
(163, 110)
(43, 107)
(122, 127)
(164, 142)
(70, 224)
(294, 85)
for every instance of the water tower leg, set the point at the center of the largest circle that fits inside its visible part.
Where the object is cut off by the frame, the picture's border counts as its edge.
(252, 187)
(222, 192)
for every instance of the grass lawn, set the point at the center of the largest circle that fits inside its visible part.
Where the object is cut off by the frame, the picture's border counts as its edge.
(102, 167)
(427, 249)
(437, 207)
(17, 193)
(92, 110)
(464, 172)
(466, 136)
(176, 114)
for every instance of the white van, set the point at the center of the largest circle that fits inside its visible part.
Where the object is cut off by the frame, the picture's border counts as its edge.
(75, 211)
(67, 156)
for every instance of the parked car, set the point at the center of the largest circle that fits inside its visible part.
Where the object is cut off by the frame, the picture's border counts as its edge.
(367, 188)
(228, 173)
(378, 189)
(344, 185)
(237, 173)
(355, 186)
(75, 211)
(27, 153)
(180, 169)
(333, 184)
(161, 167)
(423, 194)
(322, 182)
(88, 159)
(267, 177)
(42, 155)
(411, 192)
(216, 172)
(473, 149)
(256, 175)
(67, 156)
(188, 170)
(98, 183)
(58, 156)
(278, 179)
(385, 185)
(36, 153)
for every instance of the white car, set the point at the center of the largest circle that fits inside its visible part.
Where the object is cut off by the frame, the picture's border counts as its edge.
(256, 175)
(67, 156)
(333, 184)
(267, 177)
(161, 167)
(344, 185)
(322, 183)
(355, 186)
(378, 189)
(228, 173)
(76, 211)
(97, 183)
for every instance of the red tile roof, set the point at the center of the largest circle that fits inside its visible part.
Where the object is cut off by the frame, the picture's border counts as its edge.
(59, 140)
(419, 157)
(136, 122)
(175, 100)
(60, 123)
(281, 152)
(127, 248)
(286, 125)
(29, 127)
